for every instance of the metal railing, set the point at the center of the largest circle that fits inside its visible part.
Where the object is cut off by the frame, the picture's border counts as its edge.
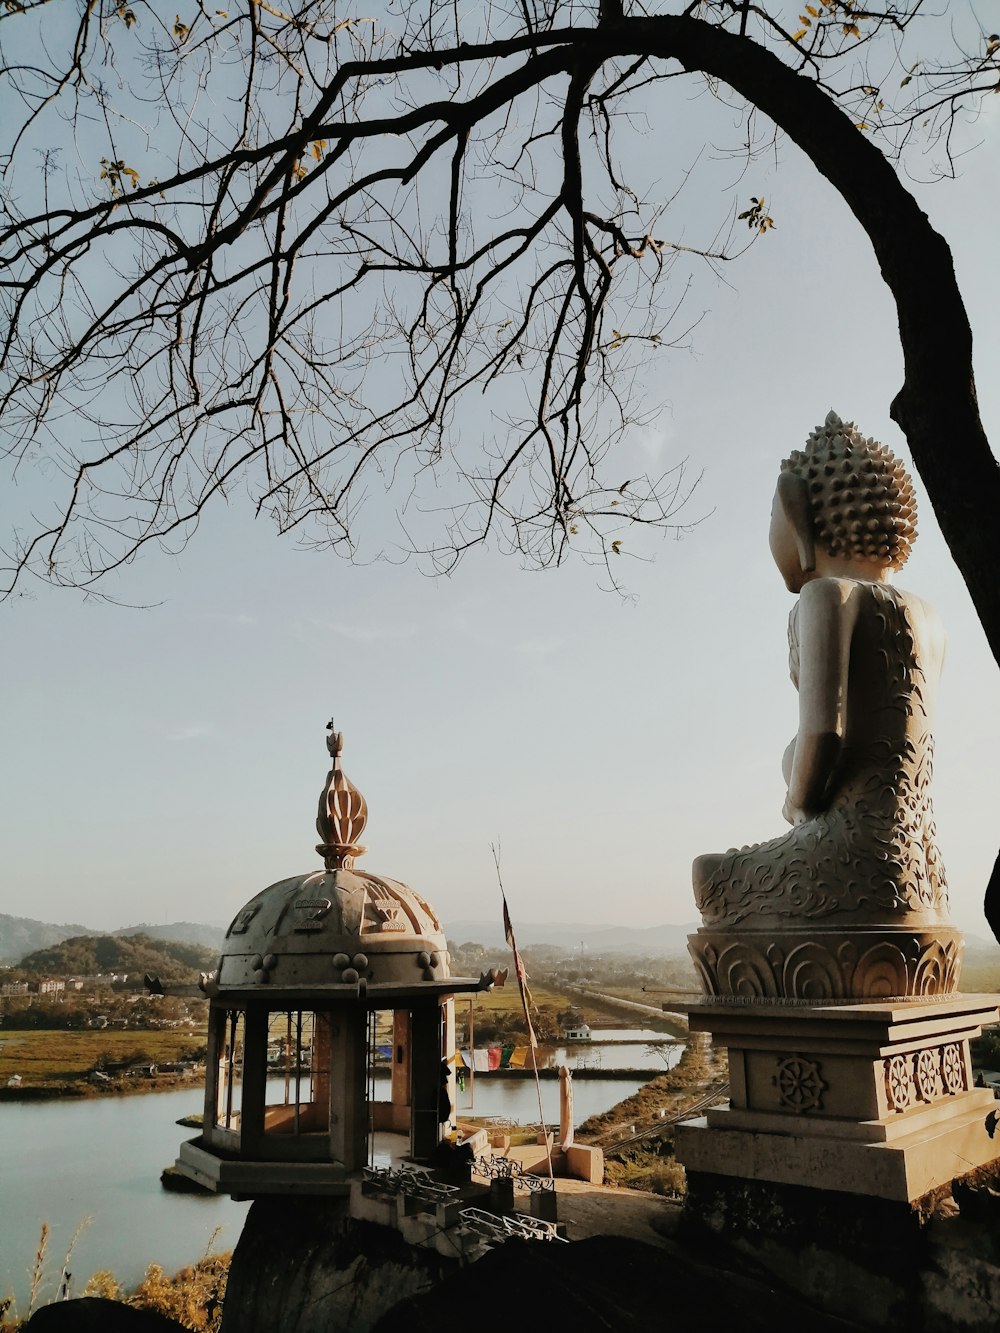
(414, 1181)
(507, 1168)
(495, 1228)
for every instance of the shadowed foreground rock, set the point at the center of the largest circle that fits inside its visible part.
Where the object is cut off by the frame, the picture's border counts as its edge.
(607, 1284)
(93, 1314)
(302, 1267)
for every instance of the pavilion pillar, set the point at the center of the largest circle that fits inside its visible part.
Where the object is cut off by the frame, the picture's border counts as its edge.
(401, 1057)
(253, 1093)
(425, 1078)
(348, 1094)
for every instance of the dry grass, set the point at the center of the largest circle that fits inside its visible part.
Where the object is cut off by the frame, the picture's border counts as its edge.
(45, 1057)
(652, 1170)
(654, 998)
(649, 1163)
(696, 1071)
(193, 1296)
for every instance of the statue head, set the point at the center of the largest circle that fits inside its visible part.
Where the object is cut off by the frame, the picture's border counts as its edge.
(846, 496)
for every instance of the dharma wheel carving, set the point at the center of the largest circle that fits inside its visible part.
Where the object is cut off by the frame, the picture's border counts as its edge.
(800, 1087)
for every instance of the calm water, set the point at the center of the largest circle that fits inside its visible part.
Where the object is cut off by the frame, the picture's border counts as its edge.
(616, 1054)
(61, 1162)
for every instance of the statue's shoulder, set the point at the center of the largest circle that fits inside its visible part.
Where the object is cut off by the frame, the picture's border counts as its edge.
(831, 605)
(828, 592)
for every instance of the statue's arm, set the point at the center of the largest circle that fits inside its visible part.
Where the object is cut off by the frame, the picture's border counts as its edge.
(825, 623)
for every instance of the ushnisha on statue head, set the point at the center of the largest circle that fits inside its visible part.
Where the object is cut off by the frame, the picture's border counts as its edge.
(845, 505)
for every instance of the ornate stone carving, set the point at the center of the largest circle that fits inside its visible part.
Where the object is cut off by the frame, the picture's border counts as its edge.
(263, 966)
(799, 1084)
(241, 924)
(927, 1074)
(899, 1084)
(851, 902)
(343, 811)
(387, 915)
(311, 914)
(953, 1068)
(820, 966)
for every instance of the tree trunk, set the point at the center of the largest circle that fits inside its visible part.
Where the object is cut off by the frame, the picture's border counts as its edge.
(936, 408)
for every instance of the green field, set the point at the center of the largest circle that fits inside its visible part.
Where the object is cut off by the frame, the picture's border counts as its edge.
(49, 1058)
(43, 1058)
(595, 1012)
(508, 1000)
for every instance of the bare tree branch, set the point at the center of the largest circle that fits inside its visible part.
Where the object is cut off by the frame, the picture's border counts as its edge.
(318, 257)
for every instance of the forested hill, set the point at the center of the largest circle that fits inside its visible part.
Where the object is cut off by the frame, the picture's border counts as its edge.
(20, 934)
(188, 932)
(87, 955)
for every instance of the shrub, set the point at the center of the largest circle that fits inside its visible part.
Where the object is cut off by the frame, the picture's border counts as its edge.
(193, 1296)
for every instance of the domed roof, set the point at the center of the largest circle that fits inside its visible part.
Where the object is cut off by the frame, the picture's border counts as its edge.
(334, 926)
(338, 927)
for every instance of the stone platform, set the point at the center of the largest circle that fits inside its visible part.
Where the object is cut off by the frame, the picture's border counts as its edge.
(860, 1098)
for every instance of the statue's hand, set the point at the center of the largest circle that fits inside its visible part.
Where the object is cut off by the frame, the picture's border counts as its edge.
(788, 759)
(793, 814)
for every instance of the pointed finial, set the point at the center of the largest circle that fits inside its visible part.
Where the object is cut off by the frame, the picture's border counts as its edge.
(343, 811)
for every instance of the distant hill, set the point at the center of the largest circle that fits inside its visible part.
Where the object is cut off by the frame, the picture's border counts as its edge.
(665, 939)
(981, 944)
(87, 955)
(20, 935)
(187, 932)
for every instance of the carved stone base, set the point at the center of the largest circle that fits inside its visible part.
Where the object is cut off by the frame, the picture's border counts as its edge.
(818, 964)
(871, 1099)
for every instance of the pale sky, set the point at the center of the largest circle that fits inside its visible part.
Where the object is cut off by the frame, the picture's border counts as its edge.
(164, 764)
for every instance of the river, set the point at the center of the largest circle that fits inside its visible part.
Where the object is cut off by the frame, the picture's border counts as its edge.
(63, 1162)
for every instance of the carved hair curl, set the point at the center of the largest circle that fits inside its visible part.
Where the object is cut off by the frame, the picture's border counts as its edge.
(860, 495)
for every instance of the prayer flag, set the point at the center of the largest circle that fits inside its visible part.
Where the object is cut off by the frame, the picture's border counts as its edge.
(521, 974)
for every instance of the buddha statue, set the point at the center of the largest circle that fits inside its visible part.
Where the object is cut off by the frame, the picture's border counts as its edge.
(822, 910)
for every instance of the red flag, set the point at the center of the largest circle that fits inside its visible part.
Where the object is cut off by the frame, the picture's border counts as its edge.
(521, 974)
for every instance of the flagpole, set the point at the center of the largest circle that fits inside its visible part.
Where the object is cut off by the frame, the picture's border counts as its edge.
(523, 989)
(541, 1114)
